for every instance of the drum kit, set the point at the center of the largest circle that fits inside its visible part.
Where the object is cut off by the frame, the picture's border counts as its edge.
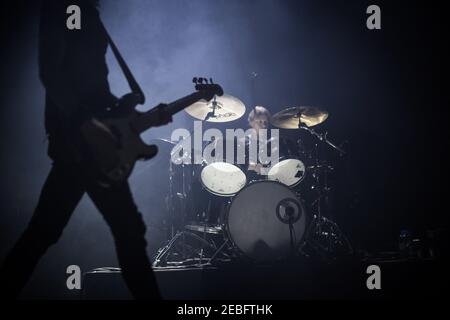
(222, 212)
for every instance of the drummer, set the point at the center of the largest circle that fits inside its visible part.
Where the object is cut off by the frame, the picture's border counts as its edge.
(258, 119)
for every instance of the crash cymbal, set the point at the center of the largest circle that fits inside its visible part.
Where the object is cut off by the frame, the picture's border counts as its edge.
(289, 118)
(228, 108)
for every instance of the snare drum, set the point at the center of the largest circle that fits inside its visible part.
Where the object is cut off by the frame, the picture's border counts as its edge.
(223, 179)
(225, 176)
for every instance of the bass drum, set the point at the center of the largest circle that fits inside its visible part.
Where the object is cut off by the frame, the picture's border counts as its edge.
(266, 221)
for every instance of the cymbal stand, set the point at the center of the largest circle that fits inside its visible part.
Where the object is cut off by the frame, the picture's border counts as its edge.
(322, 137)
(170, 202)
(323, 235)
(174, 196)
(212, 113)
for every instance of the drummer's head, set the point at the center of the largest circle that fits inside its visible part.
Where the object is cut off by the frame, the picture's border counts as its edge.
(259, 118)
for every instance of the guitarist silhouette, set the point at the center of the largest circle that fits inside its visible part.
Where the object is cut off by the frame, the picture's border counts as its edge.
(74, 73)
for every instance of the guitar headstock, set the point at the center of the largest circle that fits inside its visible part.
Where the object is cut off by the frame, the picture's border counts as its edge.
(207, 88)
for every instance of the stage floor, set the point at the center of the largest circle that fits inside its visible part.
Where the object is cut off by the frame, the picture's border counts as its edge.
(288, 281)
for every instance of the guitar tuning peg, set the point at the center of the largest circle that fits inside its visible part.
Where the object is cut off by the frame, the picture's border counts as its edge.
(195, 80)
(211, 81)
(200, 80)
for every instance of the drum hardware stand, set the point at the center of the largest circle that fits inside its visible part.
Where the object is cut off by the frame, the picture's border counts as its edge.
(327, 228)
(325, 238)
(321, 136)
(292, 236)
(289, 218)
(186, 252)
(322, 228)
(177, 243)
(323, 234)
(206, 216)
(212, 114)
(162, 258)
(170, 201)
(171, 198)
(219, 250)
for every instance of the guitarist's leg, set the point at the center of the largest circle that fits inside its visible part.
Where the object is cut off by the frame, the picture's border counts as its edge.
(127, 226)
(60, 194)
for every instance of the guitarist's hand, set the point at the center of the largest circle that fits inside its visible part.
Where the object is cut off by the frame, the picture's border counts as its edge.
(130, 100)
(162, 117)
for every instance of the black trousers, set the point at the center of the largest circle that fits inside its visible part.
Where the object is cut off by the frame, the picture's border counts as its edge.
(63, 189)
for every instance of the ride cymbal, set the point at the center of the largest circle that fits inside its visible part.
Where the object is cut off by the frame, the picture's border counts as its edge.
(292, 118)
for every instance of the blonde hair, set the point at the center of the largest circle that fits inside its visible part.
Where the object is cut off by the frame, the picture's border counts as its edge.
(258, 111)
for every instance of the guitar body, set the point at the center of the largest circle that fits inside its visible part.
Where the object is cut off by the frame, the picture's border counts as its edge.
(114, 156)
(114, 143)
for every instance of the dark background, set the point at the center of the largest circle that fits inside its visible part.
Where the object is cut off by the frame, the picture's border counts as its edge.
(385, 91)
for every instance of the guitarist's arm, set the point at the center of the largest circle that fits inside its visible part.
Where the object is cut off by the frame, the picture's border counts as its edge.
(159, 116)
(53, 46)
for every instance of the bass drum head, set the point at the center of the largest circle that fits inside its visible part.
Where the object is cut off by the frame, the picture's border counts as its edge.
(223, 179)
(258, 221)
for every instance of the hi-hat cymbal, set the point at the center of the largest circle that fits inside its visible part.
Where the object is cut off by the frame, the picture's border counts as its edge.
(228, 108)
(201, 228)
(290, 118)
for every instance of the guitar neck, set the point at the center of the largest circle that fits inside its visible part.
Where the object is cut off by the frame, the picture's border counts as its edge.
(149, 118)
